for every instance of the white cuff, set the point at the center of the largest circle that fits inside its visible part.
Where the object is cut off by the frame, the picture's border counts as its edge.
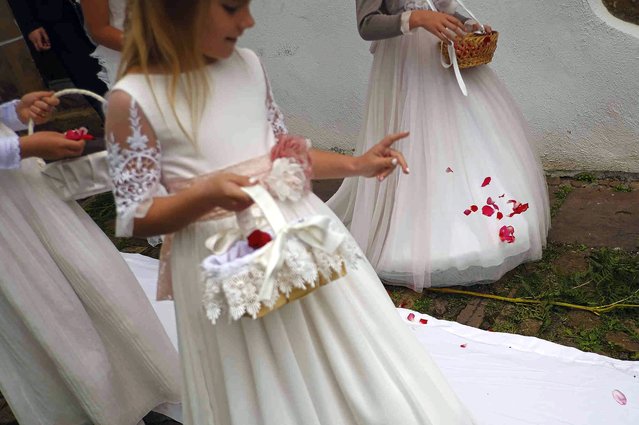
(405, 27)
(9, 116)
(9, 152)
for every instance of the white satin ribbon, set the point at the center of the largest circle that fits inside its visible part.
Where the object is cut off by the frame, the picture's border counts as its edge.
(314, 231)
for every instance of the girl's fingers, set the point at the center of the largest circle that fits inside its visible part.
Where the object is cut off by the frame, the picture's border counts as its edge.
(389, 140)
(42, 105)
(401, 161)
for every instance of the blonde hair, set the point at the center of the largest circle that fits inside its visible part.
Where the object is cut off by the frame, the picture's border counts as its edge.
(163, 36)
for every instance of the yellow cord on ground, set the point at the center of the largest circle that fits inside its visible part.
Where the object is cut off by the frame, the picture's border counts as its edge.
(596, 310)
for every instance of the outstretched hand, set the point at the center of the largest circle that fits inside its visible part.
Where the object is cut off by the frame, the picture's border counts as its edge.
(380, 160)
(38, 106)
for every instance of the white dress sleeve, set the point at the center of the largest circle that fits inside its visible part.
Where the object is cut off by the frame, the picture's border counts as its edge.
(9, 116)
(274, 113)
(9, 152)
(134, 161)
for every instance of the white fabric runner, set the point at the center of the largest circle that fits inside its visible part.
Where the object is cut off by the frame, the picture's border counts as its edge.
(503, 379)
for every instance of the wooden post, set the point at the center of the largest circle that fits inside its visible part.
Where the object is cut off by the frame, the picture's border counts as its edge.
(18, 73)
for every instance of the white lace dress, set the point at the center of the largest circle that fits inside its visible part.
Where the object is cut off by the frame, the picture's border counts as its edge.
(414, 228)
(109, 59)
(79, 341)
(338, 356)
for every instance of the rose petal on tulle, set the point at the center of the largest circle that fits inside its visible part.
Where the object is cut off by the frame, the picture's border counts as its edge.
(411, 317)
(490, 201)
(468, 212)
(486, 182)
(423, 321)
(502, 195)
(464, 345)
(500, 216)
(488, 211)
(619, 397)
(512, 201)
(449, 170)
(507, 234)
(474, 208)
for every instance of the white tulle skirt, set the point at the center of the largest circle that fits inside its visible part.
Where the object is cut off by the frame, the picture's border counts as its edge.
(340, 355)
(413, 228)
(79, 342)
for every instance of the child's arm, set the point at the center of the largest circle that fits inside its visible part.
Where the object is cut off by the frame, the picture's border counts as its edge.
(143, 209)
(96, 17)
(378, 162)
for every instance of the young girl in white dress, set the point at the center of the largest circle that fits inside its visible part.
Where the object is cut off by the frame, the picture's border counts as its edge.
(193, 114)
(79, 341)
(104, 21)
(428, 229)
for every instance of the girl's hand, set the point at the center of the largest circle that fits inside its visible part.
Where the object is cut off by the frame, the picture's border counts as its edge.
(381, 159)
(473, 26)
(445, 27)
(224, 190)
(50, 145)
(38, 106)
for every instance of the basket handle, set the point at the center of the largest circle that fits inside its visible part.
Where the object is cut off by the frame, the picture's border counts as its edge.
(67, 92)
(267, 204)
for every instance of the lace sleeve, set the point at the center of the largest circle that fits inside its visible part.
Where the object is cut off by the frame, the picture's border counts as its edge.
(134, 161)
(273, 112)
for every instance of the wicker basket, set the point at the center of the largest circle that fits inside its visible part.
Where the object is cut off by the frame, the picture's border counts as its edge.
(472, 49)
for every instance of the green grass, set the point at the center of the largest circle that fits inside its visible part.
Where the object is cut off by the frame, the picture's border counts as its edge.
(586, 177)
(622, 188)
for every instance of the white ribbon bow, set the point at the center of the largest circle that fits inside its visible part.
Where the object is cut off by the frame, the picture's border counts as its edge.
(314, 231)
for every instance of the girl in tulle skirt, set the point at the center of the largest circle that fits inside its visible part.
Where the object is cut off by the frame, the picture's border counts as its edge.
(475, 205)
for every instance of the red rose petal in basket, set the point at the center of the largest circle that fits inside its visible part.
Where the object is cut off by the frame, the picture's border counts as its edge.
(258, 239)
(423, 321)
(507, 234)
(486, 182)
(619, 397)
(411, 317)
(488, 211)
(449, 170)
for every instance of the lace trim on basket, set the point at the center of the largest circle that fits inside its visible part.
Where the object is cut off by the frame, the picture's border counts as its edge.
(135, 170)
(235, 293)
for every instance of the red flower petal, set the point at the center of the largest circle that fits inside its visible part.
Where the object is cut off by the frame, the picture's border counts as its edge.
(468, 212)
(507, 234)
(449, 170)
(72, 135)
(464, 345)
(486, 182)
(423, 321)
(411, 317)
(258, 239)
(502, 195)
(488, 211)
(500, 216)
(474, 208)
(490, 201)
(512, 201)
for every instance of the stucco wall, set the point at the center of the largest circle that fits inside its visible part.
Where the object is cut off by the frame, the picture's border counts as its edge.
(572, 66)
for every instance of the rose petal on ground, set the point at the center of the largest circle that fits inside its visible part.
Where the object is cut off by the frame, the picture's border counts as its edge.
(619, 397)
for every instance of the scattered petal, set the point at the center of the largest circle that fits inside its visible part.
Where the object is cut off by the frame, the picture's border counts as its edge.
(474, 208)
(486, 182)
(257, 239)
(519, 208)
(423, 321)
(500, 216)
(464, 345)
(619, 397)
(449, 170)
(411, 317)
(502, 195)
(468, 212)
(507, 234)
(490, 201)
(512, 201)
(488, 211)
